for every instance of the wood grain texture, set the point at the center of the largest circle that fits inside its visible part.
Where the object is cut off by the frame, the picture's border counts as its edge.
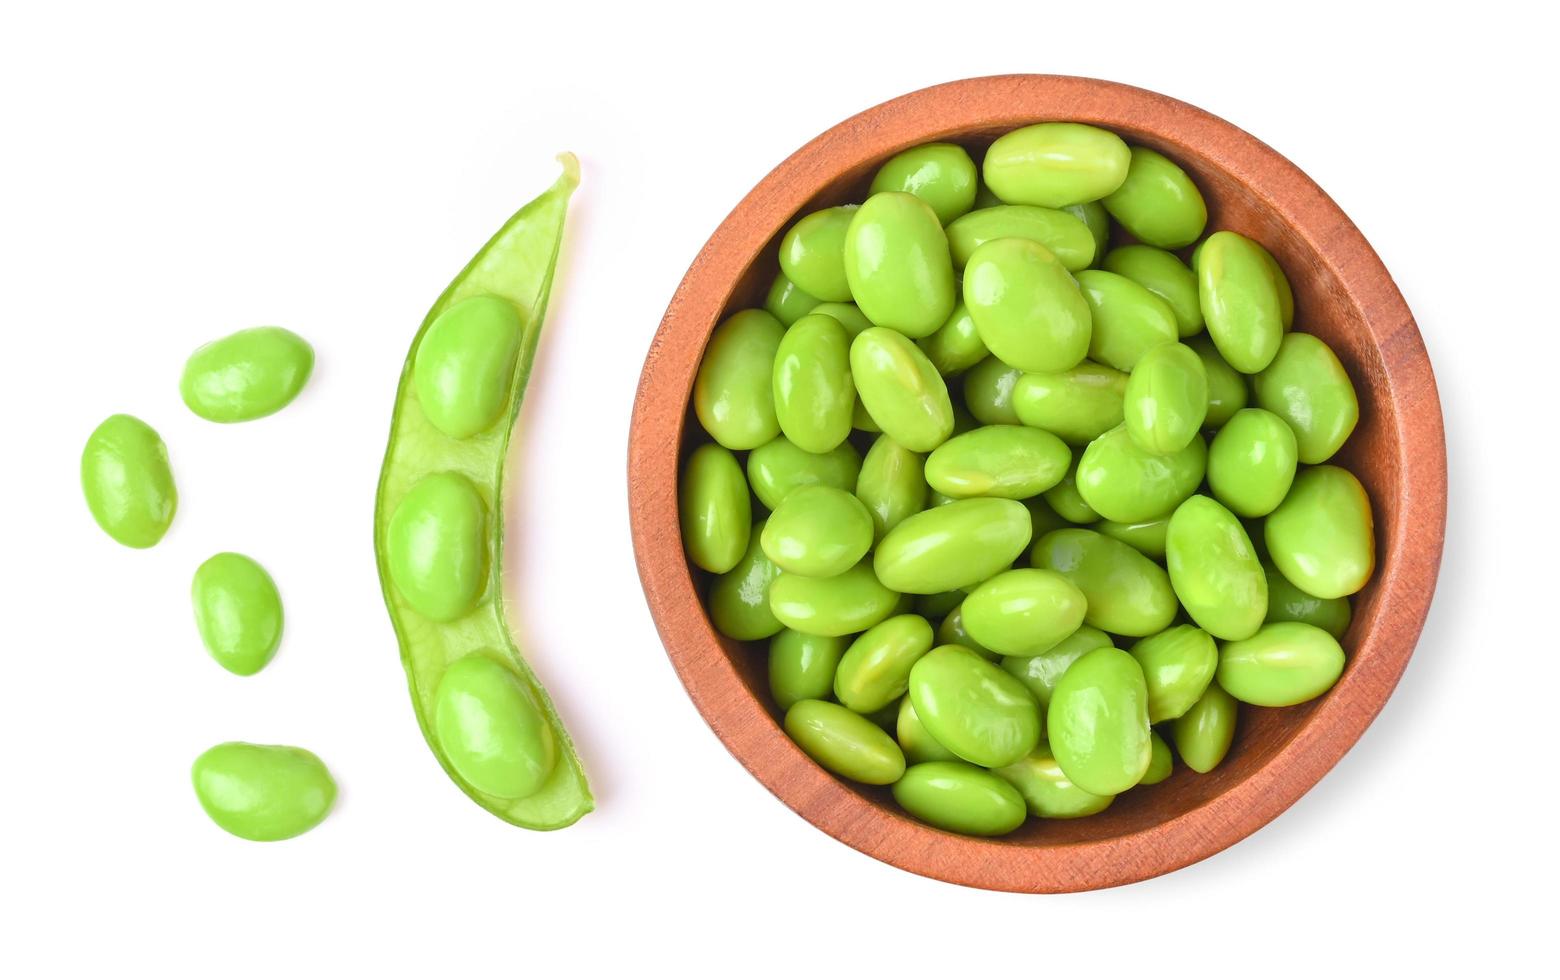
(1343, 295)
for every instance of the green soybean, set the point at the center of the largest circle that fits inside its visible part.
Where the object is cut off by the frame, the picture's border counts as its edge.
(891, 484)
(246, 375)
(787, 302)
(844, 743)
(939, 605)
(1289, 604)
(961, 543)
(1227, 391)
(961, 798)
(1203, 735)
(988, 392)
(974, 708)
(238, 612)
(1215, 570)
(901, 389)
(1040, 673)
(1322, 537)
(733, 393)
(813, 395)
(1055, 164)
(127, 481)
(1043, 518)
(263, 792)
(1079, 404)
(714, 510)
(849, 315)
(1027, 306)
(1178, 665)
(780, 466)
(1307, 387)
(951, 632)
(849, 602)
(916, 742)
(875, 671)
(941, 174)
(1066, 502)
(1128, 320)
(1239, 301)
(739, 598)
(1166, 399)
(1097, 220)
(1098, 722)
(1157, 202)
(812, 253)
(801, 666)
(956, 346)
(438, 530)
(1063, 235)
(1166, 276)
(1010, 461)
(492, 729)
(1282, 664)
(1122, 482)
(1127, 594)
(1046, 789)
(465, 364)
(1146, 536)
(1024, 612)
(818, 531)
(1252, 462)
(1160, 763)
(897, 264)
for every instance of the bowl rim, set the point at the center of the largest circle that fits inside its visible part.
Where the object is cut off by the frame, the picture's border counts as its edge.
(1408, 566)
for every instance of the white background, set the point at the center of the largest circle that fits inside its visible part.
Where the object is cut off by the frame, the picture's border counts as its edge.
(170, 174)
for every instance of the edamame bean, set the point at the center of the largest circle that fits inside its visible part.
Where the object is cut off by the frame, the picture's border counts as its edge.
(1128, 320)
(901, 389)
(941, 174)
(733, 394)
(1227, 392)
(891, 484)
(1146, 536)
(1046, 789)
(1042, 517)
(850, 317)
(787, 302)
(956, 346)
(1166, 276)
(1123, 483)
(818, 531)
(974, 708)
(1055, 164)
(246, 375)
(1282, 664)
(1252, 462)
(716, 514)
(1160, 763)
(1203, 735)
(1178, 664)
(1239, 301)
(849, 602)
(1166, 399)
(1127, 594)
(813, 394)
(127, 481)
(961, 798)
(1040, 673)
(844, 743)
(812, 253)
(1286, 296)
(1079, 404)
(491, 729)
(918, 743)
(801, 666)
(988, 392)
(238, 612)
(1308, 388)
(1023, 612)
(1157, 202)
(1097, 220)
(1010, 461)
(1026, 305)
(939, 605)
(951, 632)
(1065, 500)
(1098, 722)
(875, 671)
(1288, 604)
(436, 547)
(897, 264)
(465, 364)
(1322, 537)
(739, 599)
(949, 547)
(780, 466)
(1063, 235)
(263, 792)
(1215, 570)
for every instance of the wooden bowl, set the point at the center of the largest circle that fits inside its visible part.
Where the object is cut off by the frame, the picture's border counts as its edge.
(1343, 294)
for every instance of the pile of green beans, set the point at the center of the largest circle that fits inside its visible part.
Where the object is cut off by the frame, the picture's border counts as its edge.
(1029, 599)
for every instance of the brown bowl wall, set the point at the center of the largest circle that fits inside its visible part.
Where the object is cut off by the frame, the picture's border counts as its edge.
(1343, 294)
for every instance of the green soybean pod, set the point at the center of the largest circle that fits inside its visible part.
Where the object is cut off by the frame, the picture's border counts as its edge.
(974, 708)
(246, 375)
(1322, 537)
(849, 315)
(956, 346)
(989, 387)
(913, 738)
(891, 484)
(263, 792)
(739, 599)
(1079, 404)
(961, 543)
(1203, 735)
(714, 509)
(1146, 536)
(961, 798)
(844, 743)
(238, 612)
(1157, 202)
(1128, 320)
(1097, 220)
(1023, 612)
(801, 666)
(1227, 391)
(1215, 570)
(813, 395)
(812, 253)
(1252, 462)
(438, 516)
(849, 602)
(1289, 604)
(1063, 235)
(875, 671)
(1127, 594)
(1047, 791)
(1055, 164)
(465, 364)
(951, 632)
(818, 531)
(787, 302)
(901, 389)
(1307, 387)
(1098, 722)
(1012, 461)
(897, 264)
(127, 481)
(1166, 276)
(492, 729)
(1026, 305)
(1066, 502)
(941, 174)
(1121, 482)
(1239, 301)
(1282, 664)
(1166, 399)
(733, 393)
(1178, 664)
(1160, 763)
(780, 466)
(1040, 673)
